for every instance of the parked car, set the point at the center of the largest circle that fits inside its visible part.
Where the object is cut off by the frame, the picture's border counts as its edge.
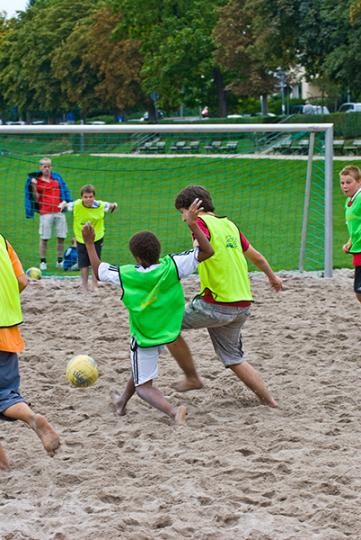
(309, 109)
(350, 107)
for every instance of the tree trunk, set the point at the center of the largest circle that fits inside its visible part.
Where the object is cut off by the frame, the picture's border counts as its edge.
(221, 93)
(264, 104)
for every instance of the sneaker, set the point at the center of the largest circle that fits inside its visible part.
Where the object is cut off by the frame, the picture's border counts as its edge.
(59, 265)
(43, 266)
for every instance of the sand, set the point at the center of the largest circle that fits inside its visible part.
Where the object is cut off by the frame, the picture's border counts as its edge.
(238, 470)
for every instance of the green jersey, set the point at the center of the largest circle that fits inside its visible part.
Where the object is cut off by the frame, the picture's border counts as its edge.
(155, 302)
(353, 221)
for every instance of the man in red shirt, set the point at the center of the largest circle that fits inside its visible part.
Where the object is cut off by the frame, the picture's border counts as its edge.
(48, 193)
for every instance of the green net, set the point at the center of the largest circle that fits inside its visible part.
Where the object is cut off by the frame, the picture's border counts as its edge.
(256, 179)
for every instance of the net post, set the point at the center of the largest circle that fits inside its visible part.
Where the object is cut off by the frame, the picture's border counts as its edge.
(306, 202)
(328, 200)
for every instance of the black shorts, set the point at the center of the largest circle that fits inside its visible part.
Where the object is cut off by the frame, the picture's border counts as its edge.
(357, 282)
(83, 258)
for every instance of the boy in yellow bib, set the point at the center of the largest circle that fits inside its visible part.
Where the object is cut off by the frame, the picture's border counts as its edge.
(225, 297)
(88, 210)
(12, 404)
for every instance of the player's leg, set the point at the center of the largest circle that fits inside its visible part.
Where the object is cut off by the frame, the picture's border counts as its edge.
(4, 464)
(145, 368)
(45, 226)
(357, 283)
(155, 398)
(61, 234)
(227, 342)
(253, 380)
(44, 430)
(120, 401)
(180, 350)
(197, 314)
(83, 264)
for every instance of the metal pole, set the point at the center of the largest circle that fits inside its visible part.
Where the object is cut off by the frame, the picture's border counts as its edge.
(306, 203)
(328, 200)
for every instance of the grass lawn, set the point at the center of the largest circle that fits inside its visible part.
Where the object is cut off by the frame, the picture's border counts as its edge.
(264, 197)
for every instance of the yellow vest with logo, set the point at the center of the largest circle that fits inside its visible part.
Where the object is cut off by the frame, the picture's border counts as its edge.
(225, 274)
(83, 215)
(10, 307)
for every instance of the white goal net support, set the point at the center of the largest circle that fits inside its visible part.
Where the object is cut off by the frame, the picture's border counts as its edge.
(273, 180)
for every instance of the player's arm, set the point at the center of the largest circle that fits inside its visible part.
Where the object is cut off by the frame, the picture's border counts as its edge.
(205, 248)
(110, 206)
(65, 206)
(89, 237)
(34, 188)
(261, 262)
(346, 247)
(17, 267)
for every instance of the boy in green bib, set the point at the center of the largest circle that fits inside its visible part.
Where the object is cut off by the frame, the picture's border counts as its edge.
(154, 298)
(350, 181)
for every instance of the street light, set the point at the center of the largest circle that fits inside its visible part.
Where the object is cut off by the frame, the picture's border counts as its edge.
(281, 76)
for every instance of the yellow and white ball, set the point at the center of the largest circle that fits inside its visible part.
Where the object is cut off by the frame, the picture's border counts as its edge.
(33, 273)
(82, 371)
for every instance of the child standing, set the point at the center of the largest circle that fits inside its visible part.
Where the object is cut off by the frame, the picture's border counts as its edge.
(88, 210)
(153, 295)
(350, 181)
(225, 298)
(12, 404)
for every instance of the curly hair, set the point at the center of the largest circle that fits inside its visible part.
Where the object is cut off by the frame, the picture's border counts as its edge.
(146, 246)
(185, 198)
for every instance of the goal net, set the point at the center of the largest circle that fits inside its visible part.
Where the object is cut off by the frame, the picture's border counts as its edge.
(274, 181)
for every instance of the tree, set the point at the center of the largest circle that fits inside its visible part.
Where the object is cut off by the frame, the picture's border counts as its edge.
(175, 41)
(27, 54)
(253, 38)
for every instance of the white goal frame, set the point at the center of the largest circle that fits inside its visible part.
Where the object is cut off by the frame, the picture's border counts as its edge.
(312, 129)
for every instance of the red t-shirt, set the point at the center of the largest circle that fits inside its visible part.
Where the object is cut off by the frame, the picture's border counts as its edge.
(49, 196)
(207, 295)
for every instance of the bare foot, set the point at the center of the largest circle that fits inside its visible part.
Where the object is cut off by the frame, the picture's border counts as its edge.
(118, 403)
(4, 464)
(180, 416)
(46, 434)
(270, 403)
(188, 384)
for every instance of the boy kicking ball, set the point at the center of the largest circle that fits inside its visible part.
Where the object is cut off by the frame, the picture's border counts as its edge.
(153, 295)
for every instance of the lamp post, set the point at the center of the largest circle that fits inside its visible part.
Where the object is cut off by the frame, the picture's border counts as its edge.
(280, 74)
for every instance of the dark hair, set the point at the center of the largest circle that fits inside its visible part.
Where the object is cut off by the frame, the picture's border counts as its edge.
(146, 246)
(185, 198)
(88, 188)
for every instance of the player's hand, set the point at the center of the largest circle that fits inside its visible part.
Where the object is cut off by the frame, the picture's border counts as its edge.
(346, 247)
(88, 233)
(34, 181)
(193, 211)
(114, 207)
(63, 205)
(276, 283)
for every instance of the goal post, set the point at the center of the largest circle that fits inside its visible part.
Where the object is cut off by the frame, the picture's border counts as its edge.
(273, 180)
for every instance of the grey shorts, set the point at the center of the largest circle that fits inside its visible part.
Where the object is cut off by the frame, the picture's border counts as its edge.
(48, 221)
(224, 324)
(9, 381)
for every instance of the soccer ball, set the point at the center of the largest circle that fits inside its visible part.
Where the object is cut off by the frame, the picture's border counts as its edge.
(33, 273)
(82, 371)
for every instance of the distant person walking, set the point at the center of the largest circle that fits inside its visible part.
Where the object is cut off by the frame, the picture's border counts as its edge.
(44, 191)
